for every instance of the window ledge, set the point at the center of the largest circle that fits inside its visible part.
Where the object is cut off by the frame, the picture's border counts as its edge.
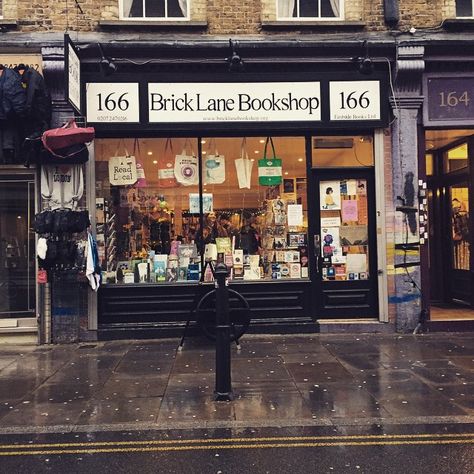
(7, 23)
(301, 24)
(186, 25)
(458, 24)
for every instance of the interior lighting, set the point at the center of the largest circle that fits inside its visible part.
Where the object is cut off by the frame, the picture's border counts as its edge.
(155, 162)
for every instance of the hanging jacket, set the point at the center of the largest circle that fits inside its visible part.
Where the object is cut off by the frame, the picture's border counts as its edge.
(38, 100)
(62, 185)
(12, 95)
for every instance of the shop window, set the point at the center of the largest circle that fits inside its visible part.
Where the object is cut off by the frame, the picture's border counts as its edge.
(464, 8)
(455, 158)
(309, 9)
(344, 229)
(154, 9)
(342, 151)
(259, 227)
(156, 227)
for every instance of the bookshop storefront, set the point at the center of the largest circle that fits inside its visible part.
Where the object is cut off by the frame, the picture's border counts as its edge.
(274, 175)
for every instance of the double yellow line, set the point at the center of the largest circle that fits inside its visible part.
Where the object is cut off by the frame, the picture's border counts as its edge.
(143, 446)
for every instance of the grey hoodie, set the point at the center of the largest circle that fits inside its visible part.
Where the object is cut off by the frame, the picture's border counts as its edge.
(62, 186)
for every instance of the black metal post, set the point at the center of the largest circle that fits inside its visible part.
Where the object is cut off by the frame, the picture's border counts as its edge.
(223, 390)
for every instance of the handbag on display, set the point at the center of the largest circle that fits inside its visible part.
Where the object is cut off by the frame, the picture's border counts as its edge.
(67, 135)
(269, 169)
(214, 166)
(186, 169)
(33, 152)
(166, 178)
(243, 167)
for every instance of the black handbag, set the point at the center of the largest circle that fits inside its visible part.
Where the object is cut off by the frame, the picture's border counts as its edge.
(44, 222)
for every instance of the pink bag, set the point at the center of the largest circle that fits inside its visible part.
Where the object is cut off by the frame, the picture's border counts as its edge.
(67, 135)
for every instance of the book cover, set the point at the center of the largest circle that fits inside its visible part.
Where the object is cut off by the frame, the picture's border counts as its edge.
(172, 274)
(295, 270)
(193, 271)
(183, 273)
(238, 257)
(238, 272)
(284, 270)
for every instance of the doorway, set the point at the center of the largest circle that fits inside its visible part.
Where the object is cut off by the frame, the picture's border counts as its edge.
(450, 227)
(17, 246)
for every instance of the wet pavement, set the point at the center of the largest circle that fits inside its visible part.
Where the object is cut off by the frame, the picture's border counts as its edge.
(285, 380)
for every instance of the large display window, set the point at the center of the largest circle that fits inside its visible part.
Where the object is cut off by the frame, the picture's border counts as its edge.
(167, 210)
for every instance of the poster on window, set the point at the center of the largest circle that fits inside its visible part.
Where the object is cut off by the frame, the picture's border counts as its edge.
(330, 195)
(207, 203)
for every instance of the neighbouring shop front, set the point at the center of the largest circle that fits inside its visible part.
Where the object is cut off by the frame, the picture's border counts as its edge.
(449, 162)
(273, 174)
(24, 110)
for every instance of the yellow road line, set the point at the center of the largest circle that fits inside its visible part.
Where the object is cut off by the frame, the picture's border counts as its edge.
(235, 440)
(235, 446)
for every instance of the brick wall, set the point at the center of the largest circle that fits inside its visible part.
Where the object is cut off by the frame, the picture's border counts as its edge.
(233, 17)
(223, 16)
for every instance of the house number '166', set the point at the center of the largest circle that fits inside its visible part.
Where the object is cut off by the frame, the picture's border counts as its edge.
(453, 99)
(111, 103)
(352, 100)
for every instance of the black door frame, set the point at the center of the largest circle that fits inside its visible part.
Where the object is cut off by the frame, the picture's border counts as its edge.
(361, 296)
(441, 257)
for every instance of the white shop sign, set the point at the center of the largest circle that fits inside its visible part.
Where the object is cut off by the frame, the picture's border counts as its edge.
(234, 102)
(115, 102)
(74, 77)
(354, 100)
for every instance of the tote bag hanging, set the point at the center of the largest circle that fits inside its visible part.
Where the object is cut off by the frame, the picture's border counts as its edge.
(243, 167)
(269, 169)
(214, 166)
(122, 169)
(186, 168)
(166, 178)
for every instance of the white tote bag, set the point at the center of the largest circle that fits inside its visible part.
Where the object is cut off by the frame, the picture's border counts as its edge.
(214, 166)
(243, 167)
(186, 168)
(123, 170)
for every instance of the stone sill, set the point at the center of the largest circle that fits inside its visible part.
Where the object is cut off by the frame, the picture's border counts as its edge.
(6, 23)
(155, 25)
(457, 24)
(298, 24)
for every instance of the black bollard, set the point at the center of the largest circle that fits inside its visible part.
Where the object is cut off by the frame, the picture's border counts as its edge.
(223, 390)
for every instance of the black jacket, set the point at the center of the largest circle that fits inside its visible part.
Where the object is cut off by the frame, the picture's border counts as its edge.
(12, 95)
(38, 99)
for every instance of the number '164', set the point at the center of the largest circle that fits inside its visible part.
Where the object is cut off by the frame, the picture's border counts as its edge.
(453, 99)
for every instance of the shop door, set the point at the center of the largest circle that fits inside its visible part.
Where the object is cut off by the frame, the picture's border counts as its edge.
(344, 244)
(459, 279)
(17, 247)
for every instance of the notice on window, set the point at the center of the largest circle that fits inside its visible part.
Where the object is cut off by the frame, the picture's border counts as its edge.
(295, 215)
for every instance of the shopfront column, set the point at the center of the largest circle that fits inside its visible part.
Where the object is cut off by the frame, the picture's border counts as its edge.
(407, 109)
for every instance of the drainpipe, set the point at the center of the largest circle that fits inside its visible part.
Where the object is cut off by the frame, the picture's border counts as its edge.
(391, 12)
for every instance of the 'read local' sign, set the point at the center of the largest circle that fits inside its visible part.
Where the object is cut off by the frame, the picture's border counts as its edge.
(230, 102)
